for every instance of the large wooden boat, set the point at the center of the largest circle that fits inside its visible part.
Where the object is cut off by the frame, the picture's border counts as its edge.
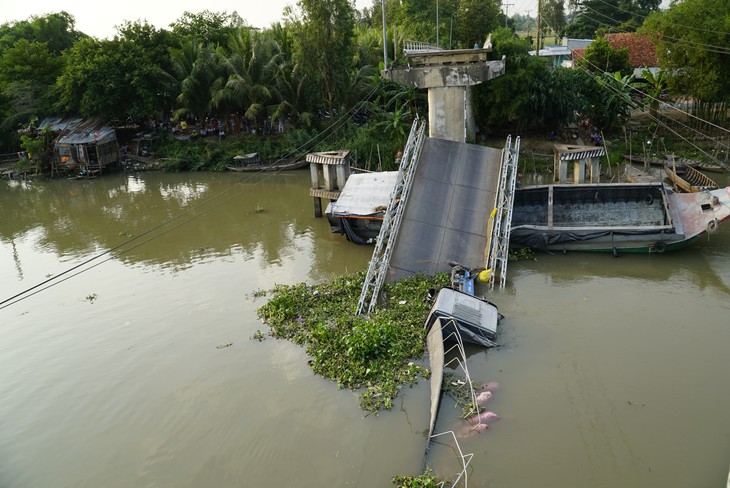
(700, 165)
(688, 179)
(638, 217)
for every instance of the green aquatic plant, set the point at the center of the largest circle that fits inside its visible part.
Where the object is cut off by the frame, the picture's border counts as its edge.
(426, 480)
(377, 354)
(522, 254)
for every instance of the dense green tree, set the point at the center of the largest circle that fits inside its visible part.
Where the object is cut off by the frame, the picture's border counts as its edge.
(601, 57)
(615, 100)
(553, 16)
(206, 27)
(290, 83)
(194, 65)
(620, 15)
(324, 46)
(57, 30)
(249, 75)
(693, 38)
(125, 77)
(28, 72)
(475, 19)
(654, 86)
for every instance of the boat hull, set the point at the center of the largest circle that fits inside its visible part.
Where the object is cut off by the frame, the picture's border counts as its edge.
(357, 229)
(614, 217)
(273, 166)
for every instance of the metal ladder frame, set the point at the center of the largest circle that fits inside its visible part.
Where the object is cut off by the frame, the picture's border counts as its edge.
(502, 225)
(391, 222)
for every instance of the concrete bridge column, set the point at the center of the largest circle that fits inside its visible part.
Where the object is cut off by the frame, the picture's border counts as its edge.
(448, 76)
(446, 113)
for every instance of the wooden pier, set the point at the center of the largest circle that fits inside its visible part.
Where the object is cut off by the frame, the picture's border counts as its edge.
(334, 168)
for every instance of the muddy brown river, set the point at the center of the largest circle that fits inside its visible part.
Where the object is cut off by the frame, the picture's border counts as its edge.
(142, 371)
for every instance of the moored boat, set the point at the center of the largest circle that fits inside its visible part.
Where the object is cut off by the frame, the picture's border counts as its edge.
(252, 163)
(699, 165)
(638, 217)
(360, 208)
(688, 179)
(634, 158)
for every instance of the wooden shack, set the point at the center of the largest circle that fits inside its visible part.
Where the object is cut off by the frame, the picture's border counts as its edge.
(87, 149)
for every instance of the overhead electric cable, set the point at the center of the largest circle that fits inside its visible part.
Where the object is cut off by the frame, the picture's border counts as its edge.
(672, 107)
(671, 23)
(674, 40)
(56, 278)
(659, 122)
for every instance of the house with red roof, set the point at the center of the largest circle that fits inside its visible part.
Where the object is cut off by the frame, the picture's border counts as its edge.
(642, 51)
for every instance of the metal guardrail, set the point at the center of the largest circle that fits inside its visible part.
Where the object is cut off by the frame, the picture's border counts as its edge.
(391, 222)
(502, 214)
(458, 354)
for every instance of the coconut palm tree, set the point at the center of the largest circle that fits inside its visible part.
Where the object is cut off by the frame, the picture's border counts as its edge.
(250, 69)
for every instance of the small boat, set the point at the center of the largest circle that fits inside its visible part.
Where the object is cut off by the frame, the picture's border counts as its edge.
(699, 165)
(688, 179)
(645, 160)
(85, 174)
(636, 175)
(627, 217)
(252, 163)
(360, 208)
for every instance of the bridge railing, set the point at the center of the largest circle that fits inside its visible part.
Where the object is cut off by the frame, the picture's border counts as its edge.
(420, 47)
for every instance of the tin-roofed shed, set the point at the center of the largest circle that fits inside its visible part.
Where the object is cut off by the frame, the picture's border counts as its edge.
(87, 149)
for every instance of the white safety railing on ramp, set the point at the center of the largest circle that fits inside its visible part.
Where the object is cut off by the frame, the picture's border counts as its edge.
(385, 242)
(502, 215)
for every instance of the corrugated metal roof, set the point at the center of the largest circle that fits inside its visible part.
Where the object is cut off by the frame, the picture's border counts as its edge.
(99, 136)
(571, 153)
(329, 157)
(60, 124)
(365, 194)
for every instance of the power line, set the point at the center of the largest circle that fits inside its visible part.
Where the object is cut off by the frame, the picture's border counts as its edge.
(677, 40)
(671, 106)
(659, 122)
(671, 23)
(54, 280)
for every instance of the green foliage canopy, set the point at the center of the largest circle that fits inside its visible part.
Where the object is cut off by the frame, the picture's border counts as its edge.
(324, 45)
(621, 15)
(601, 57)
(693, 39)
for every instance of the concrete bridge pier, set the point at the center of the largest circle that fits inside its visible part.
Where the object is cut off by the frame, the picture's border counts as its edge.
(448, 76)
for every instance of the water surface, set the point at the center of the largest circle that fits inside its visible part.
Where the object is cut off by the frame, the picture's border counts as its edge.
(142, 370)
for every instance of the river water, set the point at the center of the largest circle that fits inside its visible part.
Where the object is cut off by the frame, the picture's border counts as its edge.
(142, 371)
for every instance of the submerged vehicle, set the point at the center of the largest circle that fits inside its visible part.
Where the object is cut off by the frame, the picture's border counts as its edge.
(458, 311)
(630, 217)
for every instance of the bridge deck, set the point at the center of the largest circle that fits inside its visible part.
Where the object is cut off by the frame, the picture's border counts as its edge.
(446, 218)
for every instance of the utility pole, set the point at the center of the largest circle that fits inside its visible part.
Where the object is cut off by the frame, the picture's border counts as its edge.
(437, 22)
(506, 12)
(385, 36)
(539, 24)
